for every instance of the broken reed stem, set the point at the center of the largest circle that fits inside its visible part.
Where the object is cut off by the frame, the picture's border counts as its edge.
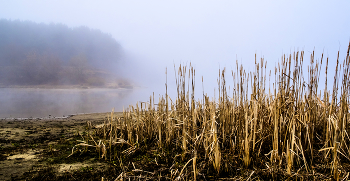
(335, 162)
(111, 135)
(194, 165)
(246, 156)
(215, 142)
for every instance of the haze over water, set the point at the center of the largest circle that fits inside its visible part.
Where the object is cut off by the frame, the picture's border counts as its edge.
(158, 34)
(35, 103)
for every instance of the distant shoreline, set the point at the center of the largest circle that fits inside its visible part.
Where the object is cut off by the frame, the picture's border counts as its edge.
(53, 118)
(67, 87)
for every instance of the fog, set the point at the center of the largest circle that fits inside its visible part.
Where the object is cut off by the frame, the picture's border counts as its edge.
(54, 54)
(209, 35)
(38, 103)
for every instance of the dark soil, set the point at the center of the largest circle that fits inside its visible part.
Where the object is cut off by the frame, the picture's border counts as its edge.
(39, 149)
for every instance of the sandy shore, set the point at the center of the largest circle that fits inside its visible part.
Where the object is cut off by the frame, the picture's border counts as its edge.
(34, 149)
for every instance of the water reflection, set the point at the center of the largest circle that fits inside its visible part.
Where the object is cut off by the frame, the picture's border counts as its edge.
(30, 102)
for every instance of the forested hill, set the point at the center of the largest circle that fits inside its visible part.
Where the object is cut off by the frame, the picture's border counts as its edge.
(54, 54)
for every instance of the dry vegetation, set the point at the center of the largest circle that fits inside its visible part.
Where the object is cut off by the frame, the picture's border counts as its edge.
(287, 130)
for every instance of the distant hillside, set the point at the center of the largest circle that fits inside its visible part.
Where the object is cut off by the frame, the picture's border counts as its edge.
(54, 54)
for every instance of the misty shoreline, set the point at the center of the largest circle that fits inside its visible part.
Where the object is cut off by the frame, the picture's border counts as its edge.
(54, 118)
(61, 101)
(67, 87)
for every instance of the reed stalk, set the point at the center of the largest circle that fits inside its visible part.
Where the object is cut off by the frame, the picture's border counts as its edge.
(284, 124)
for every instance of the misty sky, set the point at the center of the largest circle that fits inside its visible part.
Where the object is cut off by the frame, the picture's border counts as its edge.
(210, 34)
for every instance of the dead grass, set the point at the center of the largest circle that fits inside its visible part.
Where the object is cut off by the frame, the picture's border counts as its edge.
(293, 130)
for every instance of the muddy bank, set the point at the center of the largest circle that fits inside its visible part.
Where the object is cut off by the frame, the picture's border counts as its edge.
(37, 149)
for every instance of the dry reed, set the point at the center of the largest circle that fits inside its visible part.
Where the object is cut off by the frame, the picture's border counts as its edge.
(291, 127)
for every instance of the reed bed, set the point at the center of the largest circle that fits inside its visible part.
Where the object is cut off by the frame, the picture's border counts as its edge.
(288, 130)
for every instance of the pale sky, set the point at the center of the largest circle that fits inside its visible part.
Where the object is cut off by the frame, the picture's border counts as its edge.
(210, 34)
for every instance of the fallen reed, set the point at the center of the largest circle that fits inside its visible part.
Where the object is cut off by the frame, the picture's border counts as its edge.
(290, 130)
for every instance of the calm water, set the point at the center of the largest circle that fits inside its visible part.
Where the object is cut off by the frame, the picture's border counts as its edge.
(30, 102)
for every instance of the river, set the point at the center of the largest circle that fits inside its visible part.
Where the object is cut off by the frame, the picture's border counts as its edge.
(35, 102)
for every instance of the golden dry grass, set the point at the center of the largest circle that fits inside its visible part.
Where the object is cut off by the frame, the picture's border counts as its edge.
(292, 130)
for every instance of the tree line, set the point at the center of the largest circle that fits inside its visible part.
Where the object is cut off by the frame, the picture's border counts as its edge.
(54, 54)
